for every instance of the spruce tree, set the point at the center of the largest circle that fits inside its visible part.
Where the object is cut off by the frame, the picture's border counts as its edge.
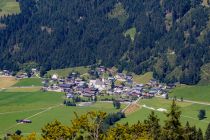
(153, 126)
(172, 129)
(207, 134)
(199, 134)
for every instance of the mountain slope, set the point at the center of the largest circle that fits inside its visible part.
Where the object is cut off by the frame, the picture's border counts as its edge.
(171, 37)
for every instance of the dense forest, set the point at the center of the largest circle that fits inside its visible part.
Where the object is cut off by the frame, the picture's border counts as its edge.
(171, 37)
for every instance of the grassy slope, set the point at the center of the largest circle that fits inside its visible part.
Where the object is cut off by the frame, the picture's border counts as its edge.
(195, 93)
(65, 72)
(131, 32)
(9, 7)
(29, 82)
(143, 78)
(189, 112)
(119, 12)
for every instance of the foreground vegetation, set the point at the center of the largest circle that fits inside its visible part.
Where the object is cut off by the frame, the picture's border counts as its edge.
(91, 126)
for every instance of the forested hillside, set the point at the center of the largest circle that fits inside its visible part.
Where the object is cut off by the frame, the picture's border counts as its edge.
(169, 37)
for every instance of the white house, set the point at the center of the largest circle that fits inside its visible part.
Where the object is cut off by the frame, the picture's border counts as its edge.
(54, 77)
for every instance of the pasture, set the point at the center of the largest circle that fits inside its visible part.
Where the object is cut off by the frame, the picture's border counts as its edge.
(27, 82)
(8, 7)
(65, 72)
(145, 78)
(196, 93)
(41, 108)
(23, 89)
(189, 112)
(6, 82)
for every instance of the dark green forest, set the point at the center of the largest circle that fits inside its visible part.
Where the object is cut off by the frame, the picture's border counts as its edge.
(172, 37)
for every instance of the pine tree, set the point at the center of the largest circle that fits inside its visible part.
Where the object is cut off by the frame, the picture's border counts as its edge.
(207, 134)
(199, 134)
(172, 129)
(153, 126)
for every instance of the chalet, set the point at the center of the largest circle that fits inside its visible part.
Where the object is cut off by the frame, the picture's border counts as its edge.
(170, 86)
(98, 84)
(120, 77)
(69, 95)
(22, 76)
(7, 73)
(24, 121)
(54, 77)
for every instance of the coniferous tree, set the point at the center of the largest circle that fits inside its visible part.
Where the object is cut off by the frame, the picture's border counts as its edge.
(154, 128)
(207, 133)
(199, 134)
(172, 129)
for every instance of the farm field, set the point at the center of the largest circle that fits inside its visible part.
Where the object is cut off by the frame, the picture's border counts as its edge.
(41, 108)
(196, 93)
(22, 89)
(189, 112)
(6, 82)
(65, 72)
(9, 7)
(29, 82)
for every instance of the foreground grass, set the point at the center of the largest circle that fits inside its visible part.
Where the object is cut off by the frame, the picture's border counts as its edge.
(29, 82)
(41, 108)
(65, 72)
(195, 93)
(8, 7)
(189, 112)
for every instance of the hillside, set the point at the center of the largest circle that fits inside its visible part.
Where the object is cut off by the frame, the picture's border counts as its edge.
(169, 38)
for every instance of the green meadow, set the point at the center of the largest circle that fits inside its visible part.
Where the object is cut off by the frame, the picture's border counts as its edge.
(65, 72)
(29, 82)
(196, 93)
(9, 7)
(189, 112)
(144, 78)
(131, 32)
(41, 108)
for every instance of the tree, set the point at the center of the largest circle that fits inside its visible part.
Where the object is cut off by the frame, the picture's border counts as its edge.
(56, 130)
(200, 135)
(201, 114)
(172, 128)
(18, 132)
(116, 104)
(153, 126)
(207, 133)
(89, 126)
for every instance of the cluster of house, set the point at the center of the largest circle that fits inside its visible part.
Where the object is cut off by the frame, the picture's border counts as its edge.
(23, 75)
(74, 85)
(5, 73)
